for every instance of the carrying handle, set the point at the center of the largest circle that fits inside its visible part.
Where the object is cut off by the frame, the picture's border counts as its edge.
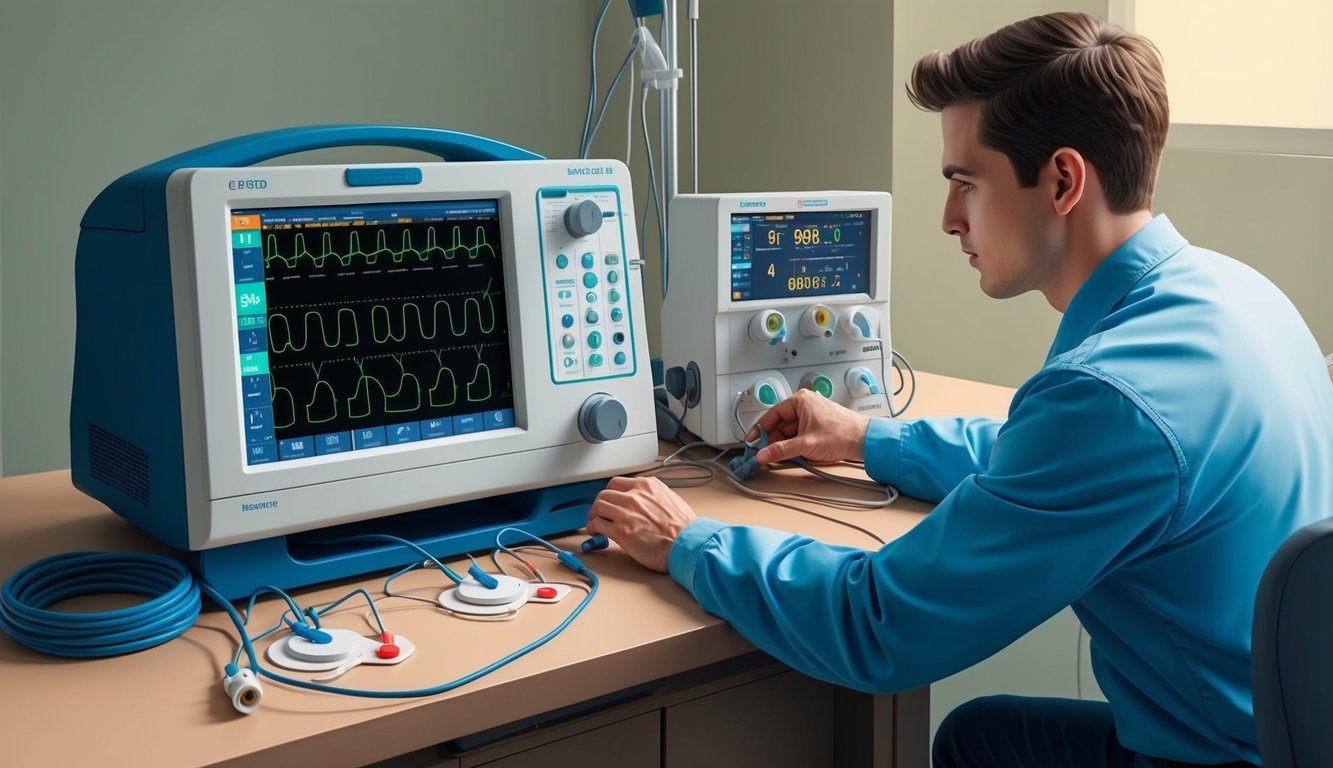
(258, 147)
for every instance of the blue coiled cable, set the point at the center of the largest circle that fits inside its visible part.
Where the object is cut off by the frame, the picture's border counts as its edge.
(27, 593)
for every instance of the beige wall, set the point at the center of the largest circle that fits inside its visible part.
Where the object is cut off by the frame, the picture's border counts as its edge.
(93, 90)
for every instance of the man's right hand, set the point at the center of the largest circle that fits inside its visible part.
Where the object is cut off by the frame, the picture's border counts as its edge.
(810, 425)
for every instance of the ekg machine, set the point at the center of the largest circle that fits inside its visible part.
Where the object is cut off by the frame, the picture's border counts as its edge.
(772, 292)
(272, 359)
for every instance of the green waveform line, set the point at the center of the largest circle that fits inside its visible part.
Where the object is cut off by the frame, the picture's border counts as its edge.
(381, 249)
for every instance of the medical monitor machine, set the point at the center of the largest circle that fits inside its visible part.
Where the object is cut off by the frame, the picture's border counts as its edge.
(774, 292)
(271, 360)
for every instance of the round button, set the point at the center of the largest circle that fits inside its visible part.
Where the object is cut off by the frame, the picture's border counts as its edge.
(613, 277)
(567, 321)
(567, 341)
(822, 385)
(616, 314)
(591, 297)
(602, 418)
(546, 593)
(594, 360)
(618, 337)
(569, 362)
(619, 358)
(561, 261)
(767, 395)
(613, 295)
(589, 279)
(587, 261)
(591, 317)
(595, 339)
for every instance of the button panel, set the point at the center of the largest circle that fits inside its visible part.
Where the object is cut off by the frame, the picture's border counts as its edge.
(587, 308)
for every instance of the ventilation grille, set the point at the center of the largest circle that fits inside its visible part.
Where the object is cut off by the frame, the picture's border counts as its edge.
(120, 464)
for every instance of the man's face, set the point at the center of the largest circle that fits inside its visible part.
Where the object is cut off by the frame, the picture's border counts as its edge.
(1007, 231)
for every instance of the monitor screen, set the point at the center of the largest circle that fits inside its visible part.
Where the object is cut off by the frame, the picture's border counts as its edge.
(363, 326)
(803, 253)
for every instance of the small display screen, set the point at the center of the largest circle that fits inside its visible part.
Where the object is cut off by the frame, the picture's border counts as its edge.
(805, 253)
(363, 326)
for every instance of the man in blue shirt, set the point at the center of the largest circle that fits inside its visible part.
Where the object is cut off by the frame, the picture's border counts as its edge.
(1180, 429)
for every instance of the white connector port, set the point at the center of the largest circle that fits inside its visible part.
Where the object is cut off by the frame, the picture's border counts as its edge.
(244, 691)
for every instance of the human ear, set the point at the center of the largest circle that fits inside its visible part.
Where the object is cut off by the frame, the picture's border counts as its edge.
(1069, 172)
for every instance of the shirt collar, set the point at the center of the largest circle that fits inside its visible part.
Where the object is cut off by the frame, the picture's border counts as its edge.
(1113, 278)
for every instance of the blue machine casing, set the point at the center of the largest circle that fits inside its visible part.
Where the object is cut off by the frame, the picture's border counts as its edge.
(126, 411)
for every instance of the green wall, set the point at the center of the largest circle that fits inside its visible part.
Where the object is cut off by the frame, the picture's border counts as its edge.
(92, 90)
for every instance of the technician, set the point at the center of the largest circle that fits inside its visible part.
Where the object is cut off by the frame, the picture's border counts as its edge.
(1180, 429)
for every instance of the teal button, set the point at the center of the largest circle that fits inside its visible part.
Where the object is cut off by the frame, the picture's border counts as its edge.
(620, 358)
(587, 261)
(591, 297)
(616, 314)
(767, 395)
(595, 339)
(567, 321)
(613, 295)
(594, 360)
(567, 341)
(589, 279)
(591, 317)
(613, 277)
(612, 258)
(569, 362)
(822, 385)
(561, 261)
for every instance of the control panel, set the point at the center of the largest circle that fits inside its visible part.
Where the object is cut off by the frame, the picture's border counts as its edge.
(584, 267)
(780, 291)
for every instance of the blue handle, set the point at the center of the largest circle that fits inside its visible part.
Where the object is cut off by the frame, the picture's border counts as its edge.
(122, 204)
(258, 147)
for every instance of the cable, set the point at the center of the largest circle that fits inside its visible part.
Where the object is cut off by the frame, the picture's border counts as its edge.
(606, 101)
(652, 186)
(902, 382)
(592, 77)
(29, 591)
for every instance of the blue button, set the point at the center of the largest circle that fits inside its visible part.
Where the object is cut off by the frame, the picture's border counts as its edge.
(469, 422)
(396, 434)
(589, 279)
(296, 448)
(261, 453)
(433, 428)
(591, 317)
(619, 358)
(613, 295)
(594, 360)
(618, 338)
(258, 424)
(368, 438)
(382, 177)
(253, 340)
(616, 314)
(561, 261)
(499, 419)
(595, 339)
(335, 442)
(587, 261)
(254, 391)
(567, 321)
(613, 277)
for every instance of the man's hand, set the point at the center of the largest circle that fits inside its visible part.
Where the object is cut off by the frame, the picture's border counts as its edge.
(643, 516)
(810, 425)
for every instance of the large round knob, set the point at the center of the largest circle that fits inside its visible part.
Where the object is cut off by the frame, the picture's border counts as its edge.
(602, 418)
(583, 218)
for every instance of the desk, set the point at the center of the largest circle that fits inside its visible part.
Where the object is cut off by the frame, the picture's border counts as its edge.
(165, 706)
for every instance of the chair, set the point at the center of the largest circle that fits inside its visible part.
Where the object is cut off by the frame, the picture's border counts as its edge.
(1292, 654)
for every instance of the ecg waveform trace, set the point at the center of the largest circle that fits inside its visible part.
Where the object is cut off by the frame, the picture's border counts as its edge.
(287, 248)
(392, 334)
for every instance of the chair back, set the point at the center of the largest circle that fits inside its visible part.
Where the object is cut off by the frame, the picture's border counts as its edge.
(1292, 654)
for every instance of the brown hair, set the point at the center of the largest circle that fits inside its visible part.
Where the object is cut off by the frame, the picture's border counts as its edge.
(1060, 80)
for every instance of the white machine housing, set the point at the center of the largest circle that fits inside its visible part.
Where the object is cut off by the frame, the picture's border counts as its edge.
(738, 354)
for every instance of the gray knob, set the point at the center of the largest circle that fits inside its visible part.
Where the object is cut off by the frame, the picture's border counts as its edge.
(602, 418)
(583, 218)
